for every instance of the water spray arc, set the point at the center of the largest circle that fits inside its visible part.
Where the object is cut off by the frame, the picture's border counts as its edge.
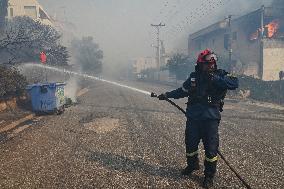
(88, 76)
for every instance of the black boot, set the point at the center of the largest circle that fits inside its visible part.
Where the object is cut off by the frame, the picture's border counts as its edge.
(208, 182)
(192, 165)
(190, 169)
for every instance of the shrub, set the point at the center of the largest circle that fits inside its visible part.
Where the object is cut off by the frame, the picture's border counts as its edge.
(12, 83)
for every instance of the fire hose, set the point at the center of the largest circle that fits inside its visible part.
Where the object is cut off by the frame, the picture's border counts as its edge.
(219, 153)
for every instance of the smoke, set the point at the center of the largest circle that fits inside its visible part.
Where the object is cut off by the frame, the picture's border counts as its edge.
(278, 3)
(122, 27)
(71, 88)
(213, 12)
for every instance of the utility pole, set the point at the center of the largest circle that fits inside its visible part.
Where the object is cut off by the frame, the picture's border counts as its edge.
(260, 72)
(281, 76)
(158, 26)
(262, 22)
(230, 40)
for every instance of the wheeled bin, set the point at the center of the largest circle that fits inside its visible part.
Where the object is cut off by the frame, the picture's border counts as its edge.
(47, 97)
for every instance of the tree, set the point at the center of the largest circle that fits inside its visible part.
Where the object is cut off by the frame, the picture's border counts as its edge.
(180, 66)
(24, 39)
(87, 54)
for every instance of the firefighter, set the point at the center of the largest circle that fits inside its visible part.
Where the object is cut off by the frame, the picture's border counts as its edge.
(206, 89)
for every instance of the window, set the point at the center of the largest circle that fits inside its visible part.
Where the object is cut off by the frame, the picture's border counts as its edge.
(235, 36)
(226, 41)
(198, 44)
(30, 11)
(42, 14)
(11, 12)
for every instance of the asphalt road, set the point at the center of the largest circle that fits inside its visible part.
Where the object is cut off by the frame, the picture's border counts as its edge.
(118, 138)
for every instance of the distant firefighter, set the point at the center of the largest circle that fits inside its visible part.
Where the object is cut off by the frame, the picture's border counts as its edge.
(206, 89)
(43, 57)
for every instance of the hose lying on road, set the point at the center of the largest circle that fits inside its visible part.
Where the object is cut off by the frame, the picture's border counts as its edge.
(219, 153)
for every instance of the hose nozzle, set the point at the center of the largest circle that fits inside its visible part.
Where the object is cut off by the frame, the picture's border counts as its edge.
(154, 94)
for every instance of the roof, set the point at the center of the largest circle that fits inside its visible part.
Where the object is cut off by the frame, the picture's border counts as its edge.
(217, 26)
(268, 11)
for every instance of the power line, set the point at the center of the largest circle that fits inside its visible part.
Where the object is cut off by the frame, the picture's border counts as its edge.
(198, 14)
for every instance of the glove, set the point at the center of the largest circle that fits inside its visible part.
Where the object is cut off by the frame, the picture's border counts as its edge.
(162, 97)
(213, 77)
(223, 72)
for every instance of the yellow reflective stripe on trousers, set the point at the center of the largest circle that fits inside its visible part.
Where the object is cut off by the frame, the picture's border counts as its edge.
(192, 154)
(211, 160)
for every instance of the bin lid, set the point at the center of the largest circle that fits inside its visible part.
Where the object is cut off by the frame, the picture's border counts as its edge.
(50, 85)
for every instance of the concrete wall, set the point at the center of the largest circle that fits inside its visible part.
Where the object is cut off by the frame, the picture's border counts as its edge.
(246, 53)
(273, 59)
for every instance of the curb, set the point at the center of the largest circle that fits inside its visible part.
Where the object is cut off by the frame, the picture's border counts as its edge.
(16, 123)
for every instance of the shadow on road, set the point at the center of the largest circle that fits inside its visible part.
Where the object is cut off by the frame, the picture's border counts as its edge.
(120, 163)
(127, 108)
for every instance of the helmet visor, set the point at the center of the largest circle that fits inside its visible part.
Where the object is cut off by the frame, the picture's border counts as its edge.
(211, 57)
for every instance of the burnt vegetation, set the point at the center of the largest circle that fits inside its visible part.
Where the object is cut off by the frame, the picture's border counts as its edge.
(12, 83)
(269, 91)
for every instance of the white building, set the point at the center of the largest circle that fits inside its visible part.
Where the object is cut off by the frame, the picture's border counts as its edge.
(143, 63)
(30, 8)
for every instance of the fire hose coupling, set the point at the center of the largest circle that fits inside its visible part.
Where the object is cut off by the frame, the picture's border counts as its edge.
(160, 97)
(154, 95)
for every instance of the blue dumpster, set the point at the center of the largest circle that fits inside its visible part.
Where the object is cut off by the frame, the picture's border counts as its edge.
(47, 97)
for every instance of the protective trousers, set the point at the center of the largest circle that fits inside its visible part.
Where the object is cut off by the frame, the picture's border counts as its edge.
(206, 130)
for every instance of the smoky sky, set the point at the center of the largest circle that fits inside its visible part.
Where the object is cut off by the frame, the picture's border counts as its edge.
(122, 27)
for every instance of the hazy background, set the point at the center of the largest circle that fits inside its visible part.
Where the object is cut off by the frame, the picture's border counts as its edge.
(122, 27)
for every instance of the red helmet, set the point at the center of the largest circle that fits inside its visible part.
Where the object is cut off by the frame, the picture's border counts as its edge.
(207, 56)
